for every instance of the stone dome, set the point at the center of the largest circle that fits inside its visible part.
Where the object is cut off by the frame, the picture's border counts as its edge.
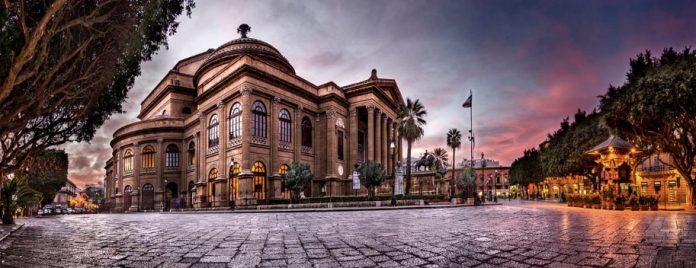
(249, 46)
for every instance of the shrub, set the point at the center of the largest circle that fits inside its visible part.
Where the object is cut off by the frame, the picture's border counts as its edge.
(596, 199)
(620, 200)
(633, 200)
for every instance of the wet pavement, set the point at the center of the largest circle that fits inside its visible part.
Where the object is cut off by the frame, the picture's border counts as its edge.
(517, 234)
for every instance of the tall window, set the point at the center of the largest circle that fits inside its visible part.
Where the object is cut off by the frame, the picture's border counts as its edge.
(148, 157)
(171, 157)
(234, 182)
(282, 170)
(128, 161)
(236, 121)
(192, 154)
(306, 132)
(258, 121)
(339, 142)
(285, 123)
(259, 171)
(211, 182)
(213, 134)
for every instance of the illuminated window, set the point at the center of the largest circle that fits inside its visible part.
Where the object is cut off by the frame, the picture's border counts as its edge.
(306, 132)
(258, 121)
(171, 156)
(128, 161)
(284, 191)
(213, 134)
(235, 121)
(192, 153)
(234, 184)
(259, 171)
(148, 157)
(283, 169)
(212, 175)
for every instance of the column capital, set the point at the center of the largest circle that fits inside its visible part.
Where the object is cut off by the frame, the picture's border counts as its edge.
(353, 112)
(371, 108)
(330, 113)
(221, 104)
(275, 100)
(246, 91)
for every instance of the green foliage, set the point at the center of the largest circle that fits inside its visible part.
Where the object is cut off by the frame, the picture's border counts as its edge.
(440, 164)
(298, 178)
(47, 172)
(359, 198)
(454, 141)
(68, 66)
(16, 193)
(411, 124)
(620, 200)
(371, 176)
(527, 169)
(633, 200)
(654, 108)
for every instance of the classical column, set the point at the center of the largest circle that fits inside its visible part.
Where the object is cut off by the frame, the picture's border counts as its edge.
(221, 180)
(385, 141)
(331, 137)
(297, 135)
(245, 178)
(159, 169)
(378, 137)
(201, 184)
(370, 133)
(353, 142)
(390, 154)
(274, 139)
(135, 199)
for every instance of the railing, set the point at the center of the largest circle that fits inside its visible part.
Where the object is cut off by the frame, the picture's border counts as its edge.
(235, 141)
(148, 171)
(657, 168)
(284, 145)
(258, 140)
(213, 150)
(307, 150)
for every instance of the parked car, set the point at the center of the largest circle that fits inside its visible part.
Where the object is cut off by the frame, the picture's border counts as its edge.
(59, 211)
(69, 211)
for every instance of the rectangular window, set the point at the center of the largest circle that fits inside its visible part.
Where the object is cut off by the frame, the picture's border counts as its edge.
(340, 145)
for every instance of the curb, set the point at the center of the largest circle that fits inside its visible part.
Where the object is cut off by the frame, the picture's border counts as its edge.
(300, 210)
(14, 229)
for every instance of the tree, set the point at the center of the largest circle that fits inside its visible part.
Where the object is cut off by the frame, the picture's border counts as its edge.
(371, 176)
(47, 172)
(297, 179)
(440, 165)
(454, 141)
(527, 169)
(467, 179)
(16, 193)
(411, 123)
(68, 66)
(654, 108)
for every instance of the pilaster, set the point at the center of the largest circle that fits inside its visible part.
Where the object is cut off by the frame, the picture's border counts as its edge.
(370, 133)
(331, 144)
(353, 141)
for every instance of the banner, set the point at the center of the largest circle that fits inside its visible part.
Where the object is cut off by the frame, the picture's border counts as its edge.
(356, 180)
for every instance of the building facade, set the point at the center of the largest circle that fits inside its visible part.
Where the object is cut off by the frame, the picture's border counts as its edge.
(222, 127)
(65, 194)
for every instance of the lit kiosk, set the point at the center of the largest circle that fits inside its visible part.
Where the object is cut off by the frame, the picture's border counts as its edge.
(616, 156)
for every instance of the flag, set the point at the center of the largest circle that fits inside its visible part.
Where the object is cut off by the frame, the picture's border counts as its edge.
(467, 103)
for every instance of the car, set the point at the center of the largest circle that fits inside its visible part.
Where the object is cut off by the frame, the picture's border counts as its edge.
(69, 211)
(40, 212)
(59, 211)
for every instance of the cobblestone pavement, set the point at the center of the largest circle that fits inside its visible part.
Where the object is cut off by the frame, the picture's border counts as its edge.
(513, 235)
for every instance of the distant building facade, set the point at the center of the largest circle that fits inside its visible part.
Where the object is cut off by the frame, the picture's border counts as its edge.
(222, 127)
(64, 195)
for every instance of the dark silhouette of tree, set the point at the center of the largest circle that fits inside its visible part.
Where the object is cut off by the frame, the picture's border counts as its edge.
(46, 171)
(527, 169)
(68, 65)
(411, 123)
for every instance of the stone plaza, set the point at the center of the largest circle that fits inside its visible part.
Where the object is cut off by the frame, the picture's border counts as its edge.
(515, 234)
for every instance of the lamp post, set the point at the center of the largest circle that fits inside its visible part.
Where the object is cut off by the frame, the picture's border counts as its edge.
(483, 178)
(164, 205)
(392, 147)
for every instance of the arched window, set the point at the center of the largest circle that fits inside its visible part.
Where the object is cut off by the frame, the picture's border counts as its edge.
(192, 154)
(234, 182)
(285, 123)
(258, 121)
(285, 192)
(235, 121)
(212, 175)
(213, 134)
(148, 156)
(171, 156)
(128, 189)
(306, 132)
(128, 161)
(283, 170)
(259, 171)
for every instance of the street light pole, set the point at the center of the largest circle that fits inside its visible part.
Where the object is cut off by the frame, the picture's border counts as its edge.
(495, 186)
(483, 177)
(392, 147)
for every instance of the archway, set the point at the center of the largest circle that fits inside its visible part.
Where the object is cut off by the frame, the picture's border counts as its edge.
(127, 197)
(259, 171)
(148, 197)
(171, 196)
(234, 182)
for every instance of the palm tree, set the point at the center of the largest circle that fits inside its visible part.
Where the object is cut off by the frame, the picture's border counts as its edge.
(454, 140)
(412, 121)
(439, 165)
(16, 193)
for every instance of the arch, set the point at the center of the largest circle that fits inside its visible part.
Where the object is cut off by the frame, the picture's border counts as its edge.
(282, 171)
(285, 122)
(148, 197)
(259, 124)
(234, 181)
(171, 156)
(148, 157)
(259, 171)
(235, 121)
(213, 132)
(128, 160)
(127, 200)
(306, 132)
(212, 175)
(192, 153)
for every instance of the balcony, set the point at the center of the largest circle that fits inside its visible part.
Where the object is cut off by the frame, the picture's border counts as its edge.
(655, 170)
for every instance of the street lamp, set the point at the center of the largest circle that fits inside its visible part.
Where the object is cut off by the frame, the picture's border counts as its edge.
(164, 205)
(392, 147)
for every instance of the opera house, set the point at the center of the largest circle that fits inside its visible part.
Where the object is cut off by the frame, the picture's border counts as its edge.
(222, 126)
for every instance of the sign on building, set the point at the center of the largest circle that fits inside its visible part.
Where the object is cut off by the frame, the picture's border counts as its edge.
(356, 180)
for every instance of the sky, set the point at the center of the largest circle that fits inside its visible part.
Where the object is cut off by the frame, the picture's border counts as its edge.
(529, 63)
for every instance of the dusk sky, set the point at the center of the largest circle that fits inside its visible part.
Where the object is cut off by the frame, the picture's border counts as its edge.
(529, 63)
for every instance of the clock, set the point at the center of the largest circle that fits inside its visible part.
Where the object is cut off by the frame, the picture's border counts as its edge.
(340, 170)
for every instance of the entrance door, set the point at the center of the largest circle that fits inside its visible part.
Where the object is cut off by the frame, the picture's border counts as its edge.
(127, 197)
(148, 197)
(171, 196)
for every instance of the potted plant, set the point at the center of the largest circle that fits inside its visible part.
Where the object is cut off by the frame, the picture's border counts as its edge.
(596, 201)
(619, 202)
(633, 202)
(643, 202)
(654, 200)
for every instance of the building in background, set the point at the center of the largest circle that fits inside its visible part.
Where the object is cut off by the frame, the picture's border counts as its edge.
(65, 195)
(223, 125)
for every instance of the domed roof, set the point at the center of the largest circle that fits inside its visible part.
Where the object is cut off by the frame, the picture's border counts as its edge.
(248, 46)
